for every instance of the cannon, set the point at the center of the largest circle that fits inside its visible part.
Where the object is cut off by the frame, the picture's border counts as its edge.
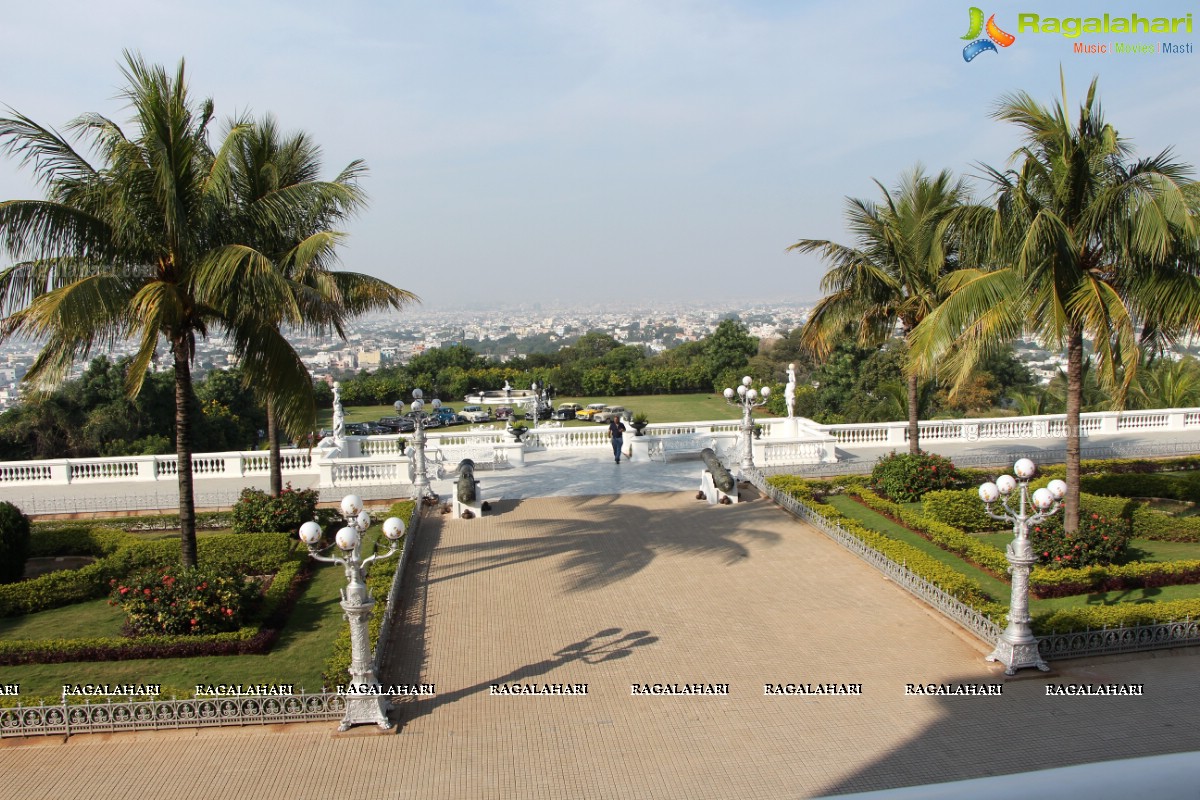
(466, 485)
(720, 476)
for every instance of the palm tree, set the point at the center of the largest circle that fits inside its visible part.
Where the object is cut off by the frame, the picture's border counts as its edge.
(1080, 242)
(1168, 383)
(891, 278)
(115, 252)
(289, 259)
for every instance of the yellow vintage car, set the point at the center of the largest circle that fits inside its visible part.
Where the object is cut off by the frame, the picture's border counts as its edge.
(591, 411)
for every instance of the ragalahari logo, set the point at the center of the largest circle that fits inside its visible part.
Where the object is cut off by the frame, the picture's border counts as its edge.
(995, 36)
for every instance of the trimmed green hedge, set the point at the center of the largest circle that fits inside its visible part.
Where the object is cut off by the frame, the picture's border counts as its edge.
(1064, 582)
(1151, 524)
(947, 537)
(1122, 615)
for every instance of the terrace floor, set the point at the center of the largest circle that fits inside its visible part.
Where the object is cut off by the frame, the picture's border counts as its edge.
(617, 589)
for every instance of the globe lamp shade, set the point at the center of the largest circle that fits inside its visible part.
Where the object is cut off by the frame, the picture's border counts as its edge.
(393, 528)
(310, 533)
(347, 538)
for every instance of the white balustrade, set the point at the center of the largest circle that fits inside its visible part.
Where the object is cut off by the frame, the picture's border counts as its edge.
(377, 460)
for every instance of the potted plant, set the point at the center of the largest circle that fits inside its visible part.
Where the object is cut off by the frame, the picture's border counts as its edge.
(402, 443)
(518, 430)
(639, 423)
(758, 431)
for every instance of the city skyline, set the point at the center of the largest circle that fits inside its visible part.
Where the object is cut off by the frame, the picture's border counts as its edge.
(604, 152)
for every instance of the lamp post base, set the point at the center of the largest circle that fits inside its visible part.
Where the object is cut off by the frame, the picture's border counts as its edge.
(1018, 656)
(366, 710)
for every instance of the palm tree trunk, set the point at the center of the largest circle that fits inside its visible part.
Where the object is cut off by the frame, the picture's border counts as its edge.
(1074, 406)
(914, 416)
(273, 439)
(183, 451)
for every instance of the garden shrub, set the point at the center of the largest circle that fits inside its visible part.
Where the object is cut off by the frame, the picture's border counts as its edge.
(14, 543)
(258, 512)
(1099, 540)
(257, 636)
(905, 477)
(1151, 524)
(1066, 581)
(182, 600)
(960, 508)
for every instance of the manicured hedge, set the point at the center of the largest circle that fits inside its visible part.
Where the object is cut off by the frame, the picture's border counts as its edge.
(1137, 575)
(1122, 615)
(205, 520)
(1151, 524)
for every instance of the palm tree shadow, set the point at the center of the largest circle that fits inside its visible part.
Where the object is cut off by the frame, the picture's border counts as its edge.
(607, 541)
(605, 645)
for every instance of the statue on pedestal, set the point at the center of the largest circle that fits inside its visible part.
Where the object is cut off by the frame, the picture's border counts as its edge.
(789, 391)
(339, 416)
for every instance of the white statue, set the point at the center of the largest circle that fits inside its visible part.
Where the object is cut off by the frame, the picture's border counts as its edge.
(789, 391)
(339, 415)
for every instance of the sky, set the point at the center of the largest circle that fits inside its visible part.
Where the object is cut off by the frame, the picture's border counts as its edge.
(606, 152)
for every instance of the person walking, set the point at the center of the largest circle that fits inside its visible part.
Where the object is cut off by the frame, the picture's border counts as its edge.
(616, 431)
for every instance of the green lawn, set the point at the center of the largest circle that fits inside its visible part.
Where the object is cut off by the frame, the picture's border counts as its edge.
(658, 407)
(78, 621)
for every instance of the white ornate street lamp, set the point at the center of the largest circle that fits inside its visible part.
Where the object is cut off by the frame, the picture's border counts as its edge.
(420, 478)
(748, 399)
(364, 702)
(1017, 647)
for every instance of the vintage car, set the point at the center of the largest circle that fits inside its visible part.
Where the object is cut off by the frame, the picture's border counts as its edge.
(609, 412)
(475, 414)
(591, 411)
(565, 411)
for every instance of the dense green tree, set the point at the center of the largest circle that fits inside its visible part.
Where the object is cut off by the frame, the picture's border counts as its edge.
(891, 276)
(283, 222)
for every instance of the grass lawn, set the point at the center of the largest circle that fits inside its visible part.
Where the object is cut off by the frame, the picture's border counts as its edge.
(658, 407)
(78, 621)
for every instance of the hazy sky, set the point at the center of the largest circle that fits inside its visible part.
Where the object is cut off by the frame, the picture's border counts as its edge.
(593, 150)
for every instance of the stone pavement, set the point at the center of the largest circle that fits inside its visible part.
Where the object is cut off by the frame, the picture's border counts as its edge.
(617, 590)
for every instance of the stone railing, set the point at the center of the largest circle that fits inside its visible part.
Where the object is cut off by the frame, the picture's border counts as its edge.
(1048, 426)
(376, 460)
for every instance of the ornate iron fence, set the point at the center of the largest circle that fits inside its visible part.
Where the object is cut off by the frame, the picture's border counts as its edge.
(1108, 641)
(162, 714)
